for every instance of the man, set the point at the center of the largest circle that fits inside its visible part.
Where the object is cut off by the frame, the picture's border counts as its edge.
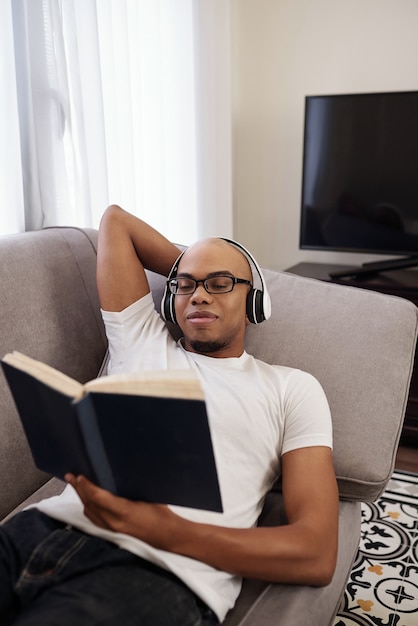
(107, 560)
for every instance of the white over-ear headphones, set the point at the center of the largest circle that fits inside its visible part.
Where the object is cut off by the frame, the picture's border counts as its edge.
(258, 300)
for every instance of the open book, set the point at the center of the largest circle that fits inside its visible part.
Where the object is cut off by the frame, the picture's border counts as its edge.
(144, 436)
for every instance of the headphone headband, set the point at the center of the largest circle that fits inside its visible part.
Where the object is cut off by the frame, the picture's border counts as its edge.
(258, 300)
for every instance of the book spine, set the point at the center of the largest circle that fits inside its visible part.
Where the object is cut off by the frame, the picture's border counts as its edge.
(94, 444)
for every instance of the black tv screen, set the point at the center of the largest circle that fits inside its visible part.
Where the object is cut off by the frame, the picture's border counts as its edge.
(360, 173)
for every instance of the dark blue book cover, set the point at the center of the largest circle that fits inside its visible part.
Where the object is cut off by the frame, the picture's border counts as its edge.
(149, 448)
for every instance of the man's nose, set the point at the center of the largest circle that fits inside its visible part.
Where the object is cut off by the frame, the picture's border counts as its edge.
(200, 294)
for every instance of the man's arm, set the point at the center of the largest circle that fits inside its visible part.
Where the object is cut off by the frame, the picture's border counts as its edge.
(127, 245)
(302, 552)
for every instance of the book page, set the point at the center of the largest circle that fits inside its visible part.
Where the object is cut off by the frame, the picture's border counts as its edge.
(45, 374)
(160, 383)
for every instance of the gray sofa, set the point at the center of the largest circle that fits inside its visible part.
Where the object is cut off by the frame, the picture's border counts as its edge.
(359, 344)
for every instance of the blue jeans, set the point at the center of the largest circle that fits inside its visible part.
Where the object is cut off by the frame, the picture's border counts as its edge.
(54, 575)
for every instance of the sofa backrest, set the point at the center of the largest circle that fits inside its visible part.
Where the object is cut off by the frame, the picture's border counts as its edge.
(360, 345)
(49, 310)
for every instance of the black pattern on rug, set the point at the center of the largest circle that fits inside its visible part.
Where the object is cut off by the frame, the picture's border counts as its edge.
(383, 586)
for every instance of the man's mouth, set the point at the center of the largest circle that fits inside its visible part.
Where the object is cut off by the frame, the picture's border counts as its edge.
(201, 317)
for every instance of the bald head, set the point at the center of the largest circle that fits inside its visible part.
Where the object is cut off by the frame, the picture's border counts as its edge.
(216, 255)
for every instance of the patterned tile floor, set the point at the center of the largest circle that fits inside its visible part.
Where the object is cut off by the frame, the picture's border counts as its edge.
(383, 587)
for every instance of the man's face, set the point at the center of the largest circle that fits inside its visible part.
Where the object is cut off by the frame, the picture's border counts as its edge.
(213, 324)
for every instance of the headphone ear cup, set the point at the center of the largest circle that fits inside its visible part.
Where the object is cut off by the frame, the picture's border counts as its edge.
(168, 312)
(167, 307)
(258, 300)
(255, 307)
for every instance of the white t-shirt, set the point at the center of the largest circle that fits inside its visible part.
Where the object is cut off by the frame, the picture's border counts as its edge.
(257, 412)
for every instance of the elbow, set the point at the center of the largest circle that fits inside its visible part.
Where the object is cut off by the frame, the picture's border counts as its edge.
(323, 575)
(313, 564)
(317, 559)
(112, 212)
(323, 568)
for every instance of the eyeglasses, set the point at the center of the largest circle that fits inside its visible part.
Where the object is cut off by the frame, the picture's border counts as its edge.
(184, 286)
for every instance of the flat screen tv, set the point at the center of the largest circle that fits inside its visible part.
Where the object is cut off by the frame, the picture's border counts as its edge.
(360, 176)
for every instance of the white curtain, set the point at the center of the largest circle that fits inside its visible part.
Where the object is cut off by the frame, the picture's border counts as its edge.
(12, 217)
(125, 101)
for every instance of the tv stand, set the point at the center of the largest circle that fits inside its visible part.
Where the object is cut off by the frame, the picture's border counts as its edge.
(371, 269)
(396, 282)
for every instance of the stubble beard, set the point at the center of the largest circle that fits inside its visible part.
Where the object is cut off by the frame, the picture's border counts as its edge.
(207, 347)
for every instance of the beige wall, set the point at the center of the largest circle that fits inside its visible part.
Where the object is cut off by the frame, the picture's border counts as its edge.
(283, 50)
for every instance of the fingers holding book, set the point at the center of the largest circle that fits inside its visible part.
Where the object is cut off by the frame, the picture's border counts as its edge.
(146, 521)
